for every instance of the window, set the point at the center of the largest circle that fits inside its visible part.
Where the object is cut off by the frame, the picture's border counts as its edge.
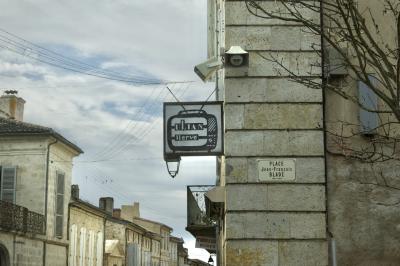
(8, 183)
(59, 217)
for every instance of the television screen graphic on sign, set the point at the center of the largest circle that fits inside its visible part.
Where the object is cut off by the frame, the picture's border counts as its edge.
(193, 129)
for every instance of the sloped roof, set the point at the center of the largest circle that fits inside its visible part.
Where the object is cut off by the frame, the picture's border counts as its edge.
(11, 127)
(154, 222)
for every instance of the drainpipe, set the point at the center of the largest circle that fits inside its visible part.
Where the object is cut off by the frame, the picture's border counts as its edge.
(333, 250)
(332, 244)
(46, 196)
(68, 236)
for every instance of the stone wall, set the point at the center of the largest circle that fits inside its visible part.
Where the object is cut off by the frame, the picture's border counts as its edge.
(92, 224)
(364, 216)
(29, 252)
(269, 117)
(7, 243)
(60, 161)
(56, 255)
(116, 231)
(28, 154)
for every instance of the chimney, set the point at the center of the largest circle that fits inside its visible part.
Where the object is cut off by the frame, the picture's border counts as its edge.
(75, 191)
(130, 212)
(136, 211)
(12, 106)
(107, 204)
(117, 213)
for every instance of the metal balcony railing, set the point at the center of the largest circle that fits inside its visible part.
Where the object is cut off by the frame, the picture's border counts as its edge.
(198, 222)
(20, 219)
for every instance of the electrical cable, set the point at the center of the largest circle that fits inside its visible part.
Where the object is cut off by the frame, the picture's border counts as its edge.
(144, 132)
(115, 140)
(57, 60)
(123, 139)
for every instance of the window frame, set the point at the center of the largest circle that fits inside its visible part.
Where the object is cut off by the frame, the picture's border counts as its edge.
(14, 189)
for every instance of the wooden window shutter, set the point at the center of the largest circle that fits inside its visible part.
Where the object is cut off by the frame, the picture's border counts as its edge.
(73, 245)
(60, 184)
(369, 121)
(8, 183)
(82, 259)
(99, 249)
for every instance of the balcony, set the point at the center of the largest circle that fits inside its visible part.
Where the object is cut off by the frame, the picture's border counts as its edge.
(199, 224)
(20, 219)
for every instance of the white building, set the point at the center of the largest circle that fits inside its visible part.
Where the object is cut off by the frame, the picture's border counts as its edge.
(36, 164)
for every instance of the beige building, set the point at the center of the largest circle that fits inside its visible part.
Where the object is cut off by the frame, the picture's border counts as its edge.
(182, 255)
(175, 250)
(86, 233)
(155, 249)
(36, 164)
(284, 195)
(132, 213)
(135, 241)
(100, 236)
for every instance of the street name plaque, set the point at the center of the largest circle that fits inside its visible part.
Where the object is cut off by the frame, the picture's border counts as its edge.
(275, 170)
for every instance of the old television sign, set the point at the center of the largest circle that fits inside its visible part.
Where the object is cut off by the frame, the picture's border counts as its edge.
(193, 128)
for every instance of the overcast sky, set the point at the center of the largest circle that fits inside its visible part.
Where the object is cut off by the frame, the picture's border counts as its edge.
(118, 125)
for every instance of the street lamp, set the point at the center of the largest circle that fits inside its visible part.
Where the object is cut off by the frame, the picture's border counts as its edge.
(211, 261)
(172, 163)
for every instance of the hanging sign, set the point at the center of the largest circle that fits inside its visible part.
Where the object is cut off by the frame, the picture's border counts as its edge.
(208, 243)
(193, 129)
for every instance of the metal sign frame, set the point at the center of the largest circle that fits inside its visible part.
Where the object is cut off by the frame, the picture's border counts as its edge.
(186, 151)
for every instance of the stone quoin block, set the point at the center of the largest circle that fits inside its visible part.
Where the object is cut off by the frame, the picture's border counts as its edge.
(244, 252)
(275, 38)
(269, 90)
(274, 252)
(303, 253)
(274, 143)
(275, 225)
(288, 197)
(277, 64)
(244, 170)
(237, 13)
(275, 197)
(273, 116)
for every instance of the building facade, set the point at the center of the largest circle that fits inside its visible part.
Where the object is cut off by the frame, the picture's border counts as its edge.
(86, 232)
(36, 165)
(284, 196)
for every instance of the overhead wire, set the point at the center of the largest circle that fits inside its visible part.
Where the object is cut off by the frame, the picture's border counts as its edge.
(41, 54)
(129, 133)
(115, 140)
(61, 58)
(24, 47)
(79, 71)
(140, 134)
(107, 187)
